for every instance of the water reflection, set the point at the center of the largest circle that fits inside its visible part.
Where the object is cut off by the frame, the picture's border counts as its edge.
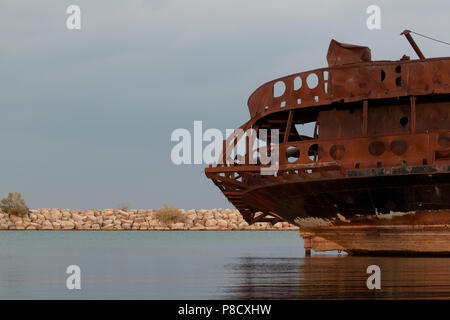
(337, 277)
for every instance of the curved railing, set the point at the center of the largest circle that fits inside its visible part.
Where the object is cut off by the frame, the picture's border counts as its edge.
(371, 80)
(388, 150)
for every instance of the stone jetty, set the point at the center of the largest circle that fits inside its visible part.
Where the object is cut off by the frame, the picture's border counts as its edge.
(114, 219)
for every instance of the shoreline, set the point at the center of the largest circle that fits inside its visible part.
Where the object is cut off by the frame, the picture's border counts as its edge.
(134, 220)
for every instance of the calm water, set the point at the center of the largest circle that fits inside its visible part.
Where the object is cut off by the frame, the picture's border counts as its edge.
(201, 265)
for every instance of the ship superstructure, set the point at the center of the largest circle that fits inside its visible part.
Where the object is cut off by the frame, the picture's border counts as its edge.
(373, 170)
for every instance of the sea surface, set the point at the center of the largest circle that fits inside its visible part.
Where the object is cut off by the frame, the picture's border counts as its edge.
(202, 265)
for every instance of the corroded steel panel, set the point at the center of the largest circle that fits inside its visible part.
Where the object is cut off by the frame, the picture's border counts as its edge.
(343, 53)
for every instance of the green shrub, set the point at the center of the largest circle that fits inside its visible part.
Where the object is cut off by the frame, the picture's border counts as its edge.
(169, 215)
(14, 204)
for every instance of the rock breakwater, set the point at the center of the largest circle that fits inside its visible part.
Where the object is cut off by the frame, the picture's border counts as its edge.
(114, 219)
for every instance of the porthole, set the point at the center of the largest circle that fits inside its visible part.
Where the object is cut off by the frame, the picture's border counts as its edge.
(312, 80)
(377, 148)
(292, 154)
(399, 147)
(337, 152)
(297, 83)
(278, 89)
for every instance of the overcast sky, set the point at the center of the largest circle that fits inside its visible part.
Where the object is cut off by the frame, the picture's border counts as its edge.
(86, 116)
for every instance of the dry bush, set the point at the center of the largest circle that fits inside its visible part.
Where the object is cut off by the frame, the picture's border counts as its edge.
(14, 204)
(169, 214)
(123, 207)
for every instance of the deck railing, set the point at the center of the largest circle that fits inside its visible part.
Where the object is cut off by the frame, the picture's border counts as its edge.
(371, 80)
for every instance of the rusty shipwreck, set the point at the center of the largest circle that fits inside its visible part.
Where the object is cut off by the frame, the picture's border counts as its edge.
(373, 175)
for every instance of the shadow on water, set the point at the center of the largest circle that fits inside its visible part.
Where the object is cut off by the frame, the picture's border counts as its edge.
(203, 265)
(337, 277)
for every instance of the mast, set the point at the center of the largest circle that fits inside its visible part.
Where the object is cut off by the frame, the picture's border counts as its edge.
(407, 34)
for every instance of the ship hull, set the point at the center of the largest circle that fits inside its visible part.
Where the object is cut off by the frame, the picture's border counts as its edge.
(385, 211)
(353, 197)
(384, 240)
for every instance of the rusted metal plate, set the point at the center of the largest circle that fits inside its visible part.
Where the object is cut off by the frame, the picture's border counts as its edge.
(424, 233)
(343, 53)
